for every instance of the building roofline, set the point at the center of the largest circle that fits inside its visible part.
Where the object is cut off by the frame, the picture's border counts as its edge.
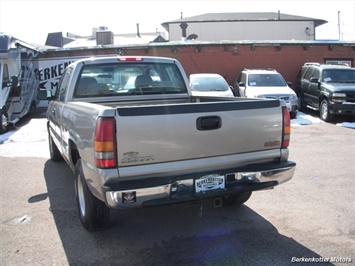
(203, 43)
(243, 17)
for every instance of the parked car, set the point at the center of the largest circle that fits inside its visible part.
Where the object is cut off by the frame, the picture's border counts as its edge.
(266, 83)
(329, 89)
(209, 84)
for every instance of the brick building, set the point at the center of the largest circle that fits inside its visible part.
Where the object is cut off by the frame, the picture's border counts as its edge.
(227, 58)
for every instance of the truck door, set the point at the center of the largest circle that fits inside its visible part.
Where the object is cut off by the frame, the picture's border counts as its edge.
(314, 89)
(55, 112)
(305, 86)
(241, 84)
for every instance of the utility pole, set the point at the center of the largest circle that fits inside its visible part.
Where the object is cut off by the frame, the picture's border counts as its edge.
(339, 24)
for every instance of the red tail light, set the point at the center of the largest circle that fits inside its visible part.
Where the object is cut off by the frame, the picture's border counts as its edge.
(130, 59)
(286, 132)
(105, 143)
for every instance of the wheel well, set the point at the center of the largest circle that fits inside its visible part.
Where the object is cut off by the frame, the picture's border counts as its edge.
(74, 153)
(321, 98)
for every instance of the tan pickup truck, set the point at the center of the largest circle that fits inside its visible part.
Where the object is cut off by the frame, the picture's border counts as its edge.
(135, 137)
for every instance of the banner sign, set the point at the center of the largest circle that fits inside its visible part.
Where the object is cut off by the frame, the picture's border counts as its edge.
(49, 71)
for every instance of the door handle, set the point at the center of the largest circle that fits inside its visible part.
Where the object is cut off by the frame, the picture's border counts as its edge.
(208, 122)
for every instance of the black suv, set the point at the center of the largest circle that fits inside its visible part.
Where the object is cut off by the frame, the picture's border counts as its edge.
(327, 88)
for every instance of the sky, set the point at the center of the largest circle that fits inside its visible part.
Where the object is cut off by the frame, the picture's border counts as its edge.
(31, 21)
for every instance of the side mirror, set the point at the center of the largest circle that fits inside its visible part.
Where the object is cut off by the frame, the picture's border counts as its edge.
(242, 89)
(44, 95)
(14, 82)
(289, 84)
(313, 80)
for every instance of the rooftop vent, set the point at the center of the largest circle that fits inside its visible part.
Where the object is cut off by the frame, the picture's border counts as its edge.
(104, 37)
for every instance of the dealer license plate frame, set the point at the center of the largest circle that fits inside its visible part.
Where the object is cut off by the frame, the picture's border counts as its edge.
(210, 183)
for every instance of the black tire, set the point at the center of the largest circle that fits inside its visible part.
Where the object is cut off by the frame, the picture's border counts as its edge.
(293, 115)
(54, 153)
(93, 213)
(324, 112)
(302, 104)
(237, 199)
(4, 126)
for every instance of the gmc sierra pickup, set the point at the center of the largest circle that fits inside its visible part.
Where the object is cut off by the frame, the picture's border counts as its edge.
(135, 137)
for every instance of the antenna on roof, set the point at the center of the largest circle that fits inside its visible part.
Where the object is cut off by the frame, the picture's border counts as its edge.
(279, 15)
(138, 33)
(181, 15)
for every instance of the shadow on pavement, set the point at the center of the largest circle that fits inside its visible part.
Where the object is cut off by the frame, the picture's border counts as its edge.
(186, 234)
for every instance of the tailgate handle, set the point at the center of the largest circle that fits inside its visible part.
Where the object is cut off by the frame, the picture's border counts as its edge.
(208, 122)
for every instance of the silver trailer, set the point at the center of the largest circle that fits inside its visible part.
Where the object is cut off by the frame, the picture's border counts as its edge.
(19, 84)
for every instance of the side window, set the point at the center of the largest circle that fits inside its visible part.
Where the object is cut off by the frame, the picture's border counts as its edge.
(316, 73)
(238, 79)
(242, 78)
(309, 73)
(63, 85)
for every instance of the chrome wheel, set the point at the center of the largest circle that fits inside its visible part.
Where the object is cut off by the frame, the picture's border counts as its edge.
(93, 213)
(81, 197)
(50, 140)
(324, 111)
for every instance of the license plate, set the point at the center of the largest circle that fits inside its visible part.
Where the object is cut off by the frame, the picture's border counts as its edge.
(209, 182)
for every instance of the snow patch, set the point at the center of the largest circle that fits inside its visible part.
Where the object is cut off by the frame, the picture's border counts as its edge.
(304, 119)
(29, 140)
(346, 124)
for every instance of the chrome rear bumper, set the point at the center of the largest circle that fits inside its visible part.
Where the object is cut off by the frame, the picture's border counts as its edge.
(182, 189)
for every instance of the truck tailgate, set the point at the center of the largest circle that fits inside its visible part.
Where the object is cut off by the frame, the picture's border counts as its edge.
(169, 133)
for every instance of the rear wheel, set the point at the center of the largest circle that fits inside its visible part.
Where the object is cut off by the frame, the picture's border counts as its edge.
(93, 213)
(324, 111)
(237, 199)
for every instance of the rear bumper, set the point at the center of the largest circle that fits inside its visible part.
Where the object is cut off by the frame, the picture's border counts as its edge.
(159, 191)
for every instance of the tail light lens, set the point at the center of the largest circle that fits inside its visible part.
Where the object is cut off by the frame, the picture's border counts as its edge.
(129, 59)
(286, 132)
(105, 143)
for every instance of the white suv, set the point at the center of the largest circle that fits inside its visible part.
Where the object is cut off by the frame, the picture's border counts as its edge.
(266, 83)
